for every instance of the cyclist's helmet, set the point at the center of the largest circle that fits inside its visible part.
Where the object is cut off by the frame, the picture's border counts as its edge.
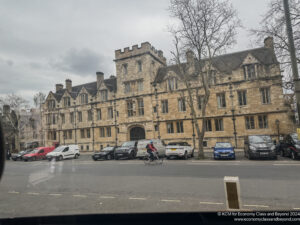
(151, 142)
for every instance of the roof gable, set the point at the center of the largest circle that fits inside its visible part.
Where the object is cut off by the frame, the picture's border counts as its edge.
(226, 63)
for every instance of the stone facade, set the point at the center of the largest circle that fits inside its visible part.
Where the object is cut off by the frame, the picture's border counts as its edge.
(30, 129)
(10, 122)
(144, 100)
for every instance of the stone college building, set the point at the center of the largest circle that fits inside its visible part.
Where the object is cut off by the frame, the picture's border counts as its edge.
(147, 99)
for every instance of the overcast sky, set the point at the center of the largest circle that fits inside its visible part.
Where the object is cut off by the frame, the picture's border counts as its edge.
(45, 42)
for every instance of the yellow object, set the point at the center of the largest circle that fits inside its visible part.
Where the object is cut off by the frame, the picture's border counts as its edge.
(298, 132)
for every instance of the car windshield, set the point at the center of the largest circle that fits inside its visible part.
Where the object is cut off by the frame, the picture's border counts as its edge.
(223, 145)
(128, 144)
(178, 143)
(143, 143)
(59, 149)
(260, 139)
(107, 149)
(34, 151)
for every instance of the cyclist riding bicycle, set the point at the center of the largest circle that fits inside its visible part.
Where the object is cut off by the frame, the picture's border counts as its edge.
(151, 149)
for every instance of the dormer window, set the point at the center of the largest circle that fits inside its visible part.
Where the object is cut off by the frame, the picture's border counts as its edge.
(103, 95)
(51, 104)
(212, 77)
(139, 63)
(83, 98)
(172, 83)
(250, 71)
(67, 101)
(125, 66)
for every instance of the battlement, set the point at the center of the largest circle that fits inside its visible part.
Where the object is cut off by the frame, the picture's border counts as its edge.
(135, 50)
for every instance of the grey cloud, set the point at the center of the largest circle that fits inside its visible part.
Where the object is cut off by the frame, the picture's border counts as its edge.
(80, 61)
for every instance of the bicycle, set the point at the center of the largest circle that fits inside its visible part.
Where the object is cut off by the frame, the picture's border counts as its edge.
(156, 161)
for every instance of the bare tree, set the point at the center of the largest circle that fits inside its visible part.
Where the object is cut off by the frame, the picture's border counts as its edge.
(39, 99)
(273, 24)
(208, 28)
(15, 102)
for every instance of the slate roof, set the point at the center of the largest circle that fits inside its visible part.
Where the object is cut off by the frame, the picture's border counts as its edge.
(91, 88)
(227, 63)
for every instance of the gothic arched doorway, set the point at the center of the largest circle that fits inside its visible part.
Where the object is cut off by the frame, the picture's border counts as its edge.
(137, 133)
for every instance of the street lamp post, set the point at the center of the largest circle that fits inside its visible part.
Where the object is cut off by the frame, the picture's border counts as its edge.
(233, 113)
(277, 122)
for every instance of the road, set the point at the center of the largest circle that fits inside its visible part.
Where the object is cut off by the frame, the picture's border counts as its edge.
(84, 186)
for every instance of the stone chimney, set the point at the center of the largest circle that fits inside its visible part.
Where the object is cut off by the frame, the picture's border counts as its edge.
(6, 109)
(100, 78)
(69, 85)
(58, 87)
(269, 43)
(190, 57)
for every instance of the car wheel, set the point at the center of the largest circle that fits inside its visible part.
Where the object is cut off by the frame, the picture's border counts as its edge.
(275, 157)
(293, 155)
(131, 156)
(14, 159)
(185, 157)
(60, 158)
(108, 157)
(76, 156)
(49, 159)
(249, 156)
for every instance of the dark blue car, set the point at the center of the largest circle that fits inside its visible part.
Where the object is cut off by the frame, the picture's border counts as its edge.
(224, 150)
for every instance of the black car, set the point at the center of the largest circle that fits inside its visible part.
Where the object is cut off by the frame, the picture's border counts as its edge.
(19, 155)
(105, 153)
(259, 146)
(127, 150)
(290, 146)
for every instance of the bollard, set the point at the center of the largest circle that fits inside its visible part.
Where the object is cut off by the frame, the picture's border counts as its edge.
(232, 192)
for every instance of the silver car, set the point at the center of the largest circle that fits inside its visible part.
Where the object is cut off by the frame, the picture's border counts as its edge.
(158, 144)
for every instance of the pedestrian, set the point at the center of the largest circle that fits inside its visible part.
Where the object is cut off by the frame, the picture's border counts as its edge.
(8, 154)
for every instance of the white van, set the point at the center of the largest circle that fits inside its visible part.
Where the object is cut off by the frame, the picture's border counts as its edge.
(158, 144)
(64, 152)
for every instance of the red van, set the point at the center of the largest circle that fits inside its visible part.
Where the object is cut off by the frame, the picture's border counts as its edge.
(38, 153)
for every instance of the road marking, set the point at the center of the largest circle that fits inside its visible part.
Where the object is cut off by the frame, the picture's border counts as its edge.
(212, 203)
(137, 198)
(79, 196)
(170, 200)
(285, 164)
(262, 206)
(212, 164)
(107, 197)
(211, 161)
(33, 193)
(296, 208)
(137, 163)
(55, 194)
(14, 192)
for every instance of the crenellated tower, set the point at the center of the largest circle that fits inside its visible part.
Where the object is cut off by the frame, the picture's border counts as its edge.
(136, 68)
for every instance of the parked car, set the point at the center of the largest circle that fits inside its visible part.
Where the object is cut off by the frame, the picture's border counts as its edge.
(179, 150)
(158, 144)
(223, 150)
(259, 146)
(127, 150)
(38, 153)
(64, 152)
(290, 146)
(105, 153)
(19, 156)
